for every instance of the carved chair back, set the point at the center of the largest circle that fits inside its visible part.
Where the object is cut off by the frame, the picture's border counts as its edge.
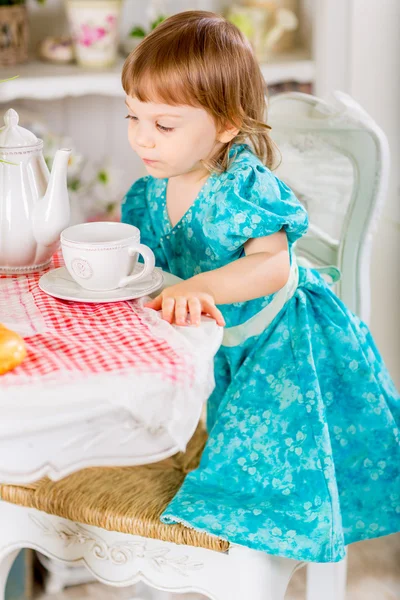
(336, 160)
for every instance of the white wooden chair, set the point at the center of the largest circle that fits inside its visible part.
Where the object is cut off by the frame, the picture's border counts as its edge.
(336, 159)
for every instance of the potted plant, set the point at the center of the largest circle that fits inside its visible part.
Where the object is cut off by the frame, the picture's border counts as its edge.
(269, 25)
(94, 30)
(13, 32)
(138, 33)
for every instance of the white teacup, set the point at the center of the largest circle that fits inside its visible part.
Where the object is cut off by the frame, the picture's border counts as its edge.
(101, 256)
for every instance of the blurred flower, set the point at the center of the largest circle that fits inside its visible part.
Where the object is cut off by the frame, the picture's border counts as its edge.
(106, 185)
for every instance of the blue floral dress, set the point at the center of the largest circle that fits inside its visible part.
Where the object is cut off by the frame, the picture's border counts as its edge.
(303, 455)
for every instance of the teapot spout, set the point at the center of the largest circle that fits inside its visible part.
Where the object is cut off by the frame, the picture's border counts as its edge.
(51, 213)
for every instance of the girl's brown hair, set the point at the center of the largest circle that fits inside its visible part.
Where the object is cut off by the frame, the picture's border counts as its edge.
(198, 58)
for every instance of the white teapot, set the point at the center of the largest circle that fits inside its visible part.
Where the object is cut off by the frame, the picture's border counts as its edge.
(34, 205)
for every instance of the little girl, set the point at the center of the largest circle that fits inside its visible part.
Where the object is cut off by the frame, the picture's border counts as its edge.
(303, 452)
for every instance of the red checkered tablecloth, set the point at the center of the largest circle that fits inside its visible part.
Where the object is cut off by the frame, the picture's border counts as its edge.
(85, 361)
(70, 340)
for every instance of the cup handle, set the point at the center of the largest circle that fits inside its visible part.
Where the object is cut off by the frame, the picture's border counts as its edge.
(149, 264)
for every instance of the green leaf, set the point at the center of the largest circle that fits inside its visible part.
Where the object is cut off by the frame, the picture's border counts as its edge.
(137, 32)
(74, 185)
(10, 79)
(102, 177)
(6, 162)
(157, 21)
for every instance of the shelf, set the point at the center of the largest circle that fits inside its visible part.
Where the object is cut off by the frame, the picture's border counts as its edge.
(292, 66)
(43, 81)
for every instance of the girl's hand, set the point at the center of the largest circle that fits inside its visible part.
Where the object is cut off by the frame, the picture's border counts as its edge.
(182, 300)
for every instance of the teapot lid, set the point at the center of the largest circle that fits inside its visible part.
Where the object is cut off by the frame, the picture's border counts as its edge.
(14, 136)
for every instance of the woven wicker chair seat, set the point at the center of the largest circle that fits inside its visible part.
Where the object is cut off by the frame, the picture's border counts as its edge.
(124, 499)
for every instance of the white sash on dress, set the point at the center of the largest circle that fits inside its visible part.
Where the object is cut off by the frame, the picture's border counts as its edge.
(234, 336)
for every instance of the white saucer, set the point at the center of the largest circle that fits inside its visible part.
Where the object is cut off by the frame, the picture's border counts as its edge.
(59, 283)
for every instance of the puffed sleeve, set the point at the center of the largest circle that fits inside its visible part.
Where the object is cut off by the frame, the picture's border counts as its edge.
(260, 204)
(135, 211)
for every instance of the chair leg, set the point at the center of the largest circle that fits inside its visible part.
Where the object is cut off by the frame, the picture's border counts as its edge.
(6, 562)
(258, 575)
(327, 581)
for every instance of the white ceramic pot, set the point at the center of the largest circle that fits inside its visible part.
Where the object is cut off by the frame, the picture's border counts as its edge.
(94, 29)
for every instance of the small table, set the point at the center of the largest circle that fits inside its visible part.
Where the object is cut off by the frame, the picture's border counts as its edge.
(102, 384)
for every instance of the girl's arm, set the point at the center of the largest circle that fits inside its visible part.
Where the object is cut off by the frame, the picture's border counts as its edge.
(263, 271)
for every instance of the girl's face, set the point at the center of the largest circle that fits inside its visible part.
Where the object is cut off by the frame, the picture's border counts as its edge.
(171, 140)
